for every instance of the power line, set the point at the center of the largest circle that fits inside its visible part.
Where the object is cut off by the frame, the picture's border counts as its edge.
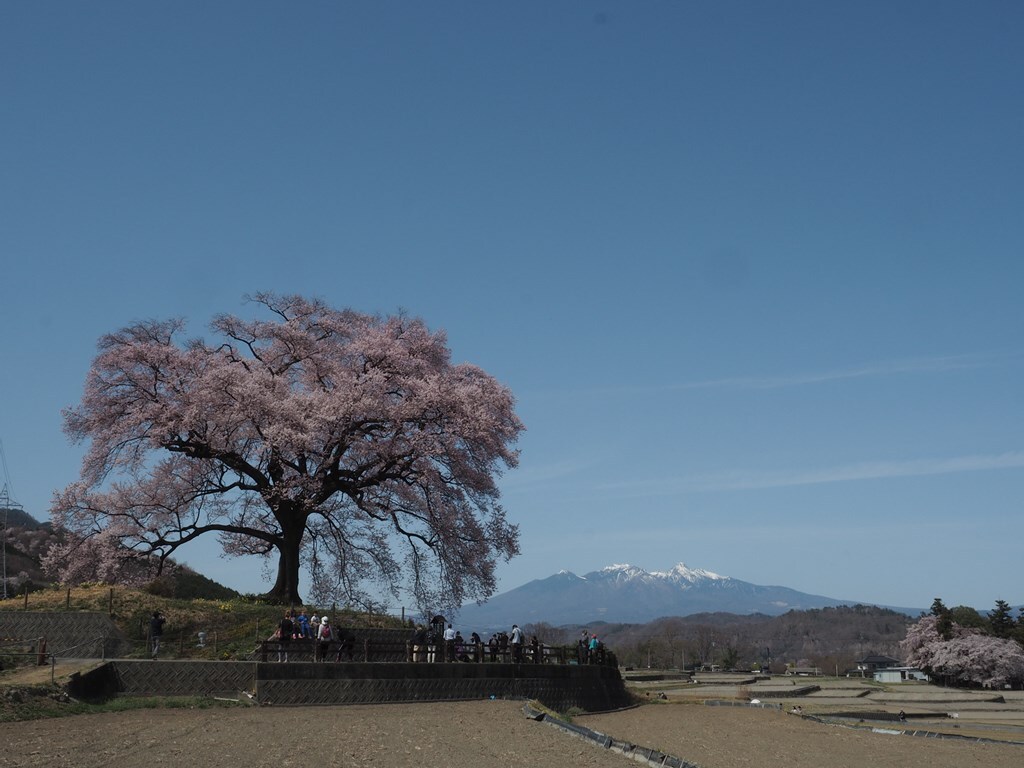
(7, 475)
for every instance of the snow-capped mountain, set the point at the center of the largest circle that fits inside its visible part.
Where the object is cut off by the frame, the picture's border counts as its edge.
(626, 593)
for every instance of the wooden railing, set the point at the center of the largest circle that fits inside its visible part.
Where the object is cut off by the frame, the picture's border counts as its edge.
(366, 650)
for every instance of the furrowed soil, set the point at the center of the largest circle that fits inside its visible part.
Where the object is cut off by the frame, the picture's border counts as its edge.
(468, 735)
(729, 737)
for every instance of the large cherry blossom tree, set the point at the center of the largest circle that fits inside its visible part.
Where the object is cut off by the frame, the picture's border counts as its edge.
(966, 655)
(346, 442)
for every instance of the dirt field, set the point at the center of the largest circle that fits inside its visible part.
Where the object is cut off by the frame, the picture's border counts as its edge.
(466, 735)
(730, 737)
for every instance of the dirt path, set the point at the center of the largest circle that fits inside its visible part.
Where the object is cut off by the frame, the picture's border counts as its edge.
(466, 735)
(44, 674)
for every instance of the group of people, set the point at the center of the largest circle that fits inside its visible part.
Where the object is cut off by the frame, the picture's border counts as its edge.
(589, 649)
(431, 644)
(317, 628)
(427, 646)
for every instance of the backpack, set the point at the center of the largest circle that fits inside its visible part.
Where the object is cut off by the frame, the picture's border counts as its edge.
(325, 631)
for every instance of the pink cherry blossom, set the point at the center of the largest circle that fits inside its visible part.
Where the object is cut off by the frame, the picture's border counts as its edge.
(968, 656)
(344, 441)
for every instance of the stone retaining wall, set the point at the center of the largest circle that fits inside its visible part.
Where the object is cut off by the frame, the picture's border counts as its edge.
(560, 687)
(557, 686)
(68, 634)
(183, 678)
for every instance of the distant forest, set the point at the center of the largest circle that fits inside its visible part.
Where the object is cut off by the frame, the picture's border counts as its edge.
(831, 639)
(25, 541)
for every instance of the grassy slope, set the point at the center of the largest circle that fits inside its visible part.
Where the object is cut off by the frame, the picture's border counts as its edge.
(233, 625)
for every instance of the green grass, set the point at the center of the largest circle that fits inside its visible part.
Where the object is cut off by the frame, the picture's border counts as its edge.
(232, 625)
(36, 702)
(565, 717)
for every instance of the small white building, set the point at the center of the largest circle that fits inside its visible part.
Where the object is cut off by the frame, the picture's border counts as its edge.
(899, 675)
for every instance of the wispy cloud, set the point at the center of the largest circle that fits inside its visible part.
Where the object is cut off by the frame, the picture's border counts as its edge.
(907, 366)
(526, 477)
(917, 365)
(749, 480)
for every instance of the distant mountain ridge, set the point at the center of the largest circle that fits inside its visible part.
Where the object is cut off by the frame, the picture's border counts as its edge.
(629, 594)
(19, 518)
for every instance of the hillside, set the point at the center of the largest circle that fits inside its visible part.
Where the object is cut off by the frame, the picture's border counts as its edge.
(232, 626)
(26, 543)
(19, 518)
(831, 638)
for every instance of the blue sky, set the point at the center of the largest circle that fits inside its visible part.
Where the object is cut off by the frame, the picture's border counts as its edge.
(752, 269)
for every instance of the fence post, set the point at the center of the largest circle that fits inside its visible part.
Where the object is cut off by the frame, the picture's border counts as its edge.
(26, 597)
(110, 603)
(215, 644)
(67, 600)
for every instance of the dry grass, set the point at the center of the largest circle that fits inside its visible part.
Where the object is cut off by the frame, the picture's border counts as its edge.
(232, 626)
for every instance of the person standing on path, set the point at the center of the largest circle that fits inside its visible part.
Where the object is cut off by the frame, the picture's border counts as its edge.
(583, 647)
(449, 644)
(323, 639)
(156, 631)
(419, 644)
(517, 644)
(303, 629)
(285, 630)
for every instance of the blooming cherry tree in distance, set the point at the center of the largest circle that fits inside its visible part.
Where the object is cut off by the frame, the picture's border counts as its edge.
(346, 442)
(966, 656)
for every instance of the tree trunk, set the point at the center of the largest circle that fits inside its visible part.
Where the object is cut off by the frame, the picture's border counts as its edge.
(286, 589)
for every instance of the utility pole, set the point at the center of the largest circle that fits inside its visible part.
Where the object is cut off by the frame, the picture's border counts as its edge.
(3, 544)
(6, 505)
